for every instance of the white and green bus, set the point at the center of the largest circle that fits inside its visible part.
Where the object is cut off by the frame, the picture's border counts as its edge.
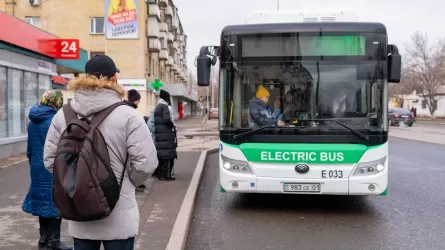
(329, 83)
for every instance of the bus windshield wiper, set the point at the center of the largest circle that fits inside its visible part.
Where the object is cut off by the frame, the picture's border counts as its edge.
(235, 137)
(354, 131)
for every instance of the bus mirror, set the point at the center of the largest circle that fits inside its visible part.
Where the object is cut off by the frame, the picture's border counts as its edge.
(394, 64)
(203, 64)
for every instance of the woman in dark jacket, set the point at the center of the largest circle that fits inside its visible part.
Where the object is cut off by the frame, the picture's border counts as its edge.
(39, 200)
(165, 137)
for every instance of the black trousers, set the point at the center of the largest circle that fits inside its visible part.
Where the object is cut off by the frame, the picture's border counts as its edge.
(53, 223)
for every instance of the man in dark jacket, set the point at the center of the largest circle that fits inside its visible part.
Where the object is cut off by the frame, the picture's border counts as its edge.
(134, 98)
(165, 137)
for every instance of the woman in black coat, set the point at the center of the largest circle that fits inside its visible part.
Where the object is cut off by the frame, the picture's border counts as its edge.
(165, 137)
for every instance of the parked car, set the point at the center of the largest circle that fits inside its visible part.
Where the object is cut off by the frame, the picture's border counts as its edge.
(214, 113)
(398, 115)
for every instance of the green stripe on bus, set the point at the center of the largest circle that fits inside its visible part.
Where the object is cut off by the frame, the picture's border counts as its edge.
(303, 152)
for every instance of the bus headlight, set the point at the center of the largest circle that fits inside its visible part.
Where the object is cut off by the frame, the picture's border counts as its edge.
(370, 168)
(236, 166)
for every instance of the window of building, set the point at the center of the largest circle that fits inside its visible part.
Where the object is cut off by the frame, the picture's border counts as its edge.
(97, 25)
(31, 93)
(3, 103)
(19, 92)
(163, 45)
(94, 53)
(16, 105)
(33, 20)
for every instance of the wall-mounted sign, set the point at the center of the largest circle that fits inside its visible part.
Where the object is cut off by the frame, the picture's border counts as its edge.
(44, 66)
(59, 80)
(137, 84)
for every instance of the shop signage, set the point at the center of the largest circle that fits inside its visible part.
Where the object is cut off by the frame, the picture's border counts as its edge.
(44, 66)
(59, 80)
(137, 84)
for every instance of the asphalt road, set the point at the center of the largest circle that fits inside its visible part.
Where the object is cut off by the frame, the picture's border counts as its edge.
(412, 216)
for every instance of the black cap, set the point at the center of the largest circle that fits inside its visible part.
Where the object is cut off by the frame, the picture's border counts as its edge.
(101, 65)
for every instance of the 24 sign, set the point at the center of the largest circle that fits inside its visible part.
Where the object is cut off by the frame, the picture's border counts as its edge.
(67, 49)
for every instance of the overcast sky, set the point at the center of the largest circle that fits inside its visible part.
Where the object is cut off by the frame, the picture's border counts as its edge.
(203, 20)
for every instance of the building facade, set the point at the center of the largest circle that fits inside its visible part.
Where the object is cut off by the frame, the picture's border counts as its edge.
(147, 40)
(26, 72)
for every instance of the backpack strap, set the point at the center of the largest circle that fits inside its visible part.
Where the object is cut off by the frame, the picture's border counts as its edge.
(69, 113)
(123, 172)
(100, 116)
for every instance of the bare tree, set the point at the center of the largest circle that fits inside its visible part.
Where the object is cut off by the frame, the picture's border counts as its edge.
(406, 86)
(426, 66)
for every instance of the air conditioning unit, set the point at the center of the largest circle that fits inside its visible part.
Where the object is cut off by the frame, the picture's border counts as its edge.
(34, 2)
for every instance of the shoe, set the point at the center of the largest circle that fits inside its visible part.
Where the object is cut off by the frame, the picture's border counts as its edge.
(43, 241)
(54, 242)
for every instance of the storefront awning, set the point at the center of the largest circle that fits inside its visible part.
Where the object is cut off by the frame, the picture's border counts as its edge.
(29, 40)
(179, 90)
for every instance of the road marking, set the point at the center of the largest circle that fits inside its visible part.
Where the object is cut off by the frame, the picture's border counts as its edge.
(178, 236)
(12, 164)
(415, 139)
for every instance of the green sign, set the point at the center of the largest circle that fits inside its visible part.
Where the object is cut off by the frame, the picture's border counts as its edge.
(302, 152)
(157, 84)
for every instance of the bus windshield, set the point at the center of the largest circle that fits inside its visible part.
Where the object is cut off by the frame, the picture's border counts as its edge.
(348, 91)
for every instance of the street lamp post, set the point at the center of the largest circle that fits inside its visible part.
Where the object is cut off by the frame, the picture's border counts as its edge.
(278, 4)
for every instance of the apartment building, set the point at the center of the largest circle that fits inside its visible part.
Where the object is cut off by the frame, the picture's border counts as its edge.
(145, 39)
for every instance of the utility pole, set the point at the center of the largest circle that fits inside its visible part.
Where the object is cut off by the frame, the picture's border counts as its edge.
(278, 4)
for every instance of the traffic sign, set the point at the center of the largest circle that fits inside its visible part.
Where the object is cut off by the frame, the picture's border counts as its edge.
(201, 98)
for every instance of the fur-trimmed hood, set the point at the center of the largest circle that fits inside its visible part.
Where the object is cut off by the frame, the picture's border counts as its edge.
(92, 95)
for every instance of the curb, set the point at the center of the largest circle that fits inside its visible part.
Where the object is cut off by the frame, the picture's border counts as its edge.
(178, 236)
(414, 139)
(12, 164)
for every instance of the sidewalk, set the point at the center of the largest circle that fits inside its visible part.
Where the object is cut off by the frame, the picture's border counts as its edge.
(440, 121)
(159, 204)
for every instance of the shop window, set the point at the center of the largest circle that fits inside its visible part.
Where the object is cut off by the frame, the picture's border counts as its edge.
(97, 25)
(31, 93)
(44, 84)
(16, 105)
(33, 20)
(3, 103)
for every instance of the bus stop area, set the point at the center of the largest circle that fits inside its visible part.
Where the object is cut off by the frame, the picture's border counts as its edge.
(159, 204)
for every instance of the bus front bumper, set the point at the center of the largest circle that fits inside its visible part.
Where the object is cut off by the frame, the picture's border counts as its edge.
(363, 185)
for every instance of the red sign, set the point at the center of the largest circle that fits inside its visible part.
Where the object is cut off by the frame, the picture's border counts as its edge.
(67, 49)
(59, 80)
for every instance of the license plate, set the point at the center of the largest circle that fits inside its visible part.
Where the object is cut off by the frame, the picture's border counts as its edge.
(404, 116)
(301, 187)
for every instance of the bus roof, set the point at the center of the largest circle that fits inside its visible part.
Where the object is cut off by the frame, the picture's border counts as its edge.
(362, 27)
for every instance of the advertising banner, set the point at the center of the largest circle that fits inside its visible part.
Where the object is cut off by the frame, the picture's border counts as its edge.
(122, 19)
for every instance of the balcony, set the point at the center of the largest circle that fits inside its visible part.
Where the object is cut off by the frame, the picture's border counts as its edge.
(181, 38)
(175, 22)
(169, 11)
(163, 3)
(153, 11)
(171, 37)
(152, 27)
(163, 27)
(154, 45)
(169, 61)
(163, 56)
